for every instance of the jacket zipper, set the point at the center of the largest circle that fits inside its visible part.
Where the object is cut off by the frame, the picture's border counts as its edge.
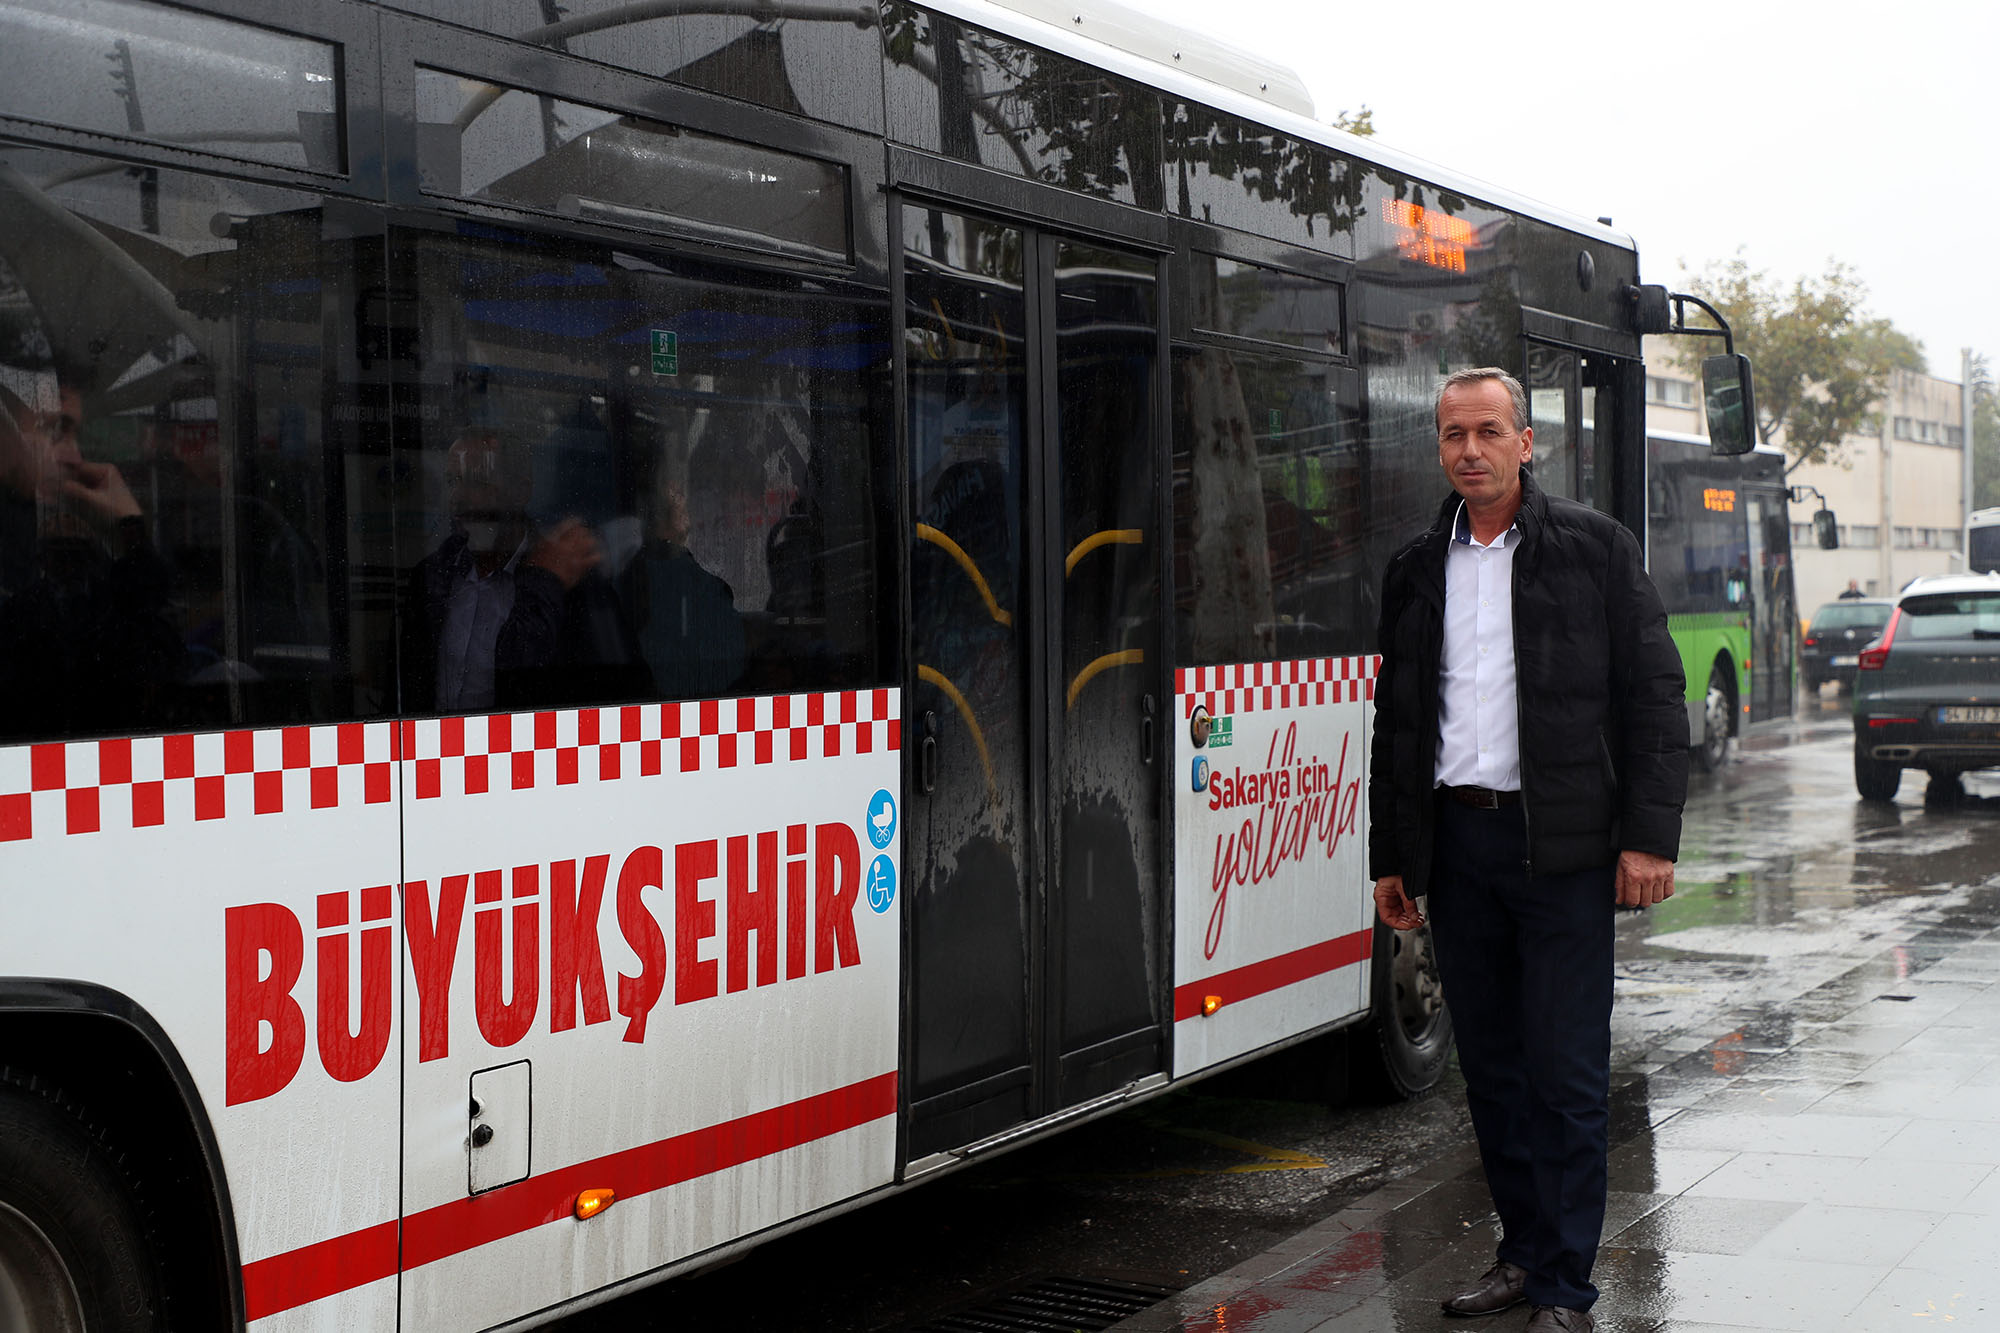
(1520, 727)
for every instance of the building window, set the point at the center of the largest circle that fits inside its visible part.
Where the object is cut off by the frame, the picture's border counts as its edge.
(1669, 392)
(1955, 436)
(1865, 536)
(1905, 538)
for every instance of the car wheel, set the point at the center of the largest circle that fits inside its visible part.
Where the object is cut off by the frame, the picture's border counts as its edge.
(73, 1254)
(1713, 747)
(1875, 779)
(1411, 1029)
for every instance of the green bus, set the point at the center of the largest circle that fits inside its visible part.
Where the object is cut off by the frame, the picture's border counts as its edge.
(1718, 544)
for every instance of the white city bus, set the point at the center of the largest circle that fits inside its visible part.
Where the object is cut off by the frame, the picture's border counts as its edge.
(623, 625)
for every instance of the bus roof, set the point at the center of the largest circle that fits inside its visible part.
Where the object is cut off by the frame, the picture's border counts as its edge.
(1128, 42)
(1682, 437)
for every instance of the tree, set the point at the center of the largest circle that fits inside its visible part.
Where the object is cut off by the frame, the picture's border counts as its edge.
(1822, 363)
(1360, 124)
(1985, 435)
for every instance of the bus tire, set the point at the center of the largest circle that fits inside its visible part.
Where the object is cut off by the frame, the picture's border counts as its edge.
(1717, 708)
(73, 1253)
(1875, 779)
(1407, 1044)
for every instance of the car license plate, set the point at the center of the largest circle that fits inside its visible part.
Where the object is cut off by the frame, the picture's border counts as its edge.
(1968, 714)
(1849, 660)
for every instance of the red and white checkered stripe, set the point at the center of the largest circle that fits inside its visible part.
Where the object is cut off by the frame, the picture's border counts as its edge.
(126, 783)
(1260, 687)
(513, 751)
(94, 786)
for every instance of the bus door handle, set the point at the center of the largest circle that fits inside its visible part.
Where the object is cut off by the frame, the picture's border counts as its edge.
(1146, 708)
(927, 753)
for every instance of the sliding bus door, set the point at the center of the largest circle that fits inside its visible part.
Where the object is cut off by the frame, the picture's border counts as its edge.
(1031, 366)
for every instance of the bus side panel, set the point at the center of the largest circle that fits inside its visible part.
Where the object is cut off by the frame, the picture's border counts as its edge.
(654, 950)
(239, 887)
(1271, 907)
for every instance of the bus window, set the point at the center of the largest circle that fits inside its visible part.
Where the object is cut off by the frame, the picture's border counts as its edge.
(978, 97)
(1267, 510)
(633, 484)
(1234, 173)
(822, 62)
(265, 96)
(182, 520)
(483, 141)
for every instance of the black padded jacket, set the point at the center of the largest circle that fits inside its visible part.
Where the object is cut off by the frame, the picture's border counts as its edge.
(1602, 698)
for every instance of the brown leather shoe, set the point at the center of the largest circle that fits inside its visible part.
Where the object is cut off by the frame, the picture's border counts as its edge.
(1560, 1319)
(1499, 1288)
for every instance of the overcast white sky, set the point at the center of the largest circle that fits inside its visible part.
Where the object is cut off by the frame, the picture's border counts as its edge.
(1868, 133)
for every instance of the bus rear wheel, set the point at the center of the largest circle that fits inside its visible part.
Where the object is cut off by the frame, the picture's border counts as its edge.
(1404, 1051)
(73, 1254)
(1713, 746)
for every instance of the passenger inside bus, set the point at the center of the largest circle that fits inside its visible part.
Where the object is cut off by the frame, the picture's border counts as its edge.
(85, 641)
(510, 611)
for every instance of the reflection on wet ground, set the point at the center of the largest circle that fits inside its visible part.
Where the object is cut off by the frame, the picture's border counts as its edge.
(1806, 1115)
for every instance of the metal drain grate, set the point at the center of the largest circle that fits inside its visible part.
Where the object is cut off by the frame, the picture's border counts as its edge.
(1052, 1305)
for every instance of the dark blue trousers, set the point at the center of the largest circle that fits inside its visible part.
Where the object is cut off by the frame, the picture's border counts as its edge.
(1526, 963)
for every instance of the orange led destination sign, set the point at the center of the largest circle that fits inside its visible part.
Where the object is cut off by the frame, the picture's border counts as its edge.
(1428, 236)
(1721, 501)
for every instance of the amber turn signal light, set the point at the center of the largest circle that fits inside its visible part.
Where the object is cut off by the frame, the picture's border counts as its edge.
(1209, 1004)
(592, 1202)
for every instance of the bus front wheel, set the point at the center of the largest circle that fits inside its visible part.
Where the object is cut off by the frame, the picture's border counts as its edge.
(1713, 746)
(73, 1255)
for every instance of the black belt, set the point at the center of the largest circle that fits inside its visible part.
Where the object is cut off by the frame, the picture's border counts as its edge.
(1481, 798)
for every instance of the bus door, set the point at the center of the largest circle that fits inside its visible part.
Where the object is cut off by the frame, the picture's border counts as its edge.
(1035, 721)
(1573, 406)
(1773, 620)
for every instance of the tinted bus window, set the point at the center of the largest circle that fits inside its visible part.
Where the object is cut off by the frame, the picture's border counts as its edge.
(1433, 291)
(145, 71)
(980, 98)
(1268, 513)
(633, 482)
(814, 60)
(481, 141)
(1267, 304)
(185, 526)
(1233, 173)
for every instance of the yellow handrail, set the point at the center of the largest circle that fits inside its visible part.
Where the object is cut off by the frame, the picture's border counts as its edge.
(964, 708)
(1108, 537)
(1129, 657)
(965, 562)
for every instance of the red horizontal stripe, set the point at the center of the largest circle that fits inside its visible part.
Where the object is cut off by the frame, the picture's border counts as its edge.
(1240, 983)
(317, 1271)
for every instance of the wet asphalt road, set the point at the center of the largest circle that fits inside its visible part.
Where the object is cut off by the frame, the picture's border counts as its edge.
(1785, 878)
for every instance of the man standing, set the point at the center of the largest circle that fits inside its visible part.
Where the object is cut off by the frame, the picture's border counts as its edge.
(1529, 768)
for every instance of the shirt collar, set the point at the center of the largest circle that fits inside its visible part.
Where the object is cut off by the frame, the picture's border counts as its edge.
(1461, 529)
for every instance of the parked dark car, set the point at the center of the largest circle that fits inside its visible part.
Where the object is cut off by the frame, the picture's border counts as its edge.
(1836, 636)
(1927, 694)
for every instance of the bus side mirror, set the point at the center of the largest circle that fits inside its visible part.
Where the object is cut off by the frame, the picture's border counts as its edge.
(1732, 406)
(1826, 530)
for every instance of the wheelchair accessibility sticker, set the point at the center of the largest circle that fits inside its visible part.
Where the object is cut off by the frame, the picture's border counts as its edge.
(881, 884)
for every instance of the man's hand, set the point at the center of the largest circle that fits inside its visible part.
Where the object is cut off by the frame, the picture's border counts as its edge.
(1643, 879)
(1394, 906)
(569, 551)
(99, 490)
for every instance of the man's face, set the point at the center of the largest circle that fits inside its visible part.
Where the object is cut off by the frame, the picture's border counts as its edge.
(34, 455)
(1478, 445)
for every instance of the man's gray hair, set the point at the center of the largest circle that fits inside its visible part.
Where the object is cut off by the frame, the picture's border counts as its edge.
(1478, 375)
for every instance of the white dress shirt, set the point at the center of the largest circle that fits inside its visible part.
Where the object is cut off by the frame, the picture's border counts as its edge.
(1479, 742)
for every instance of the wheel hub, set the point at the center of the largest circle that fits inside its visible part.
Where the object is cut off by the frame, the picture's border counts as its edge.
(37, 1293)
